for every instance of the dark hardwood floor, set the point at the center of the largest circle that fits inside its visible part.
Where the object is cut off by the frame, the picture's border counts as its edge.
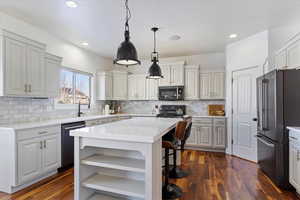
(214, 176)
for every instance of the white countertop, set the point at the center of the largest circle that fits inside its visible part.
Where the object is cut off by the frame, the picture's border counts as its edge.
(142, 129)
(28, 125)
(297, 129)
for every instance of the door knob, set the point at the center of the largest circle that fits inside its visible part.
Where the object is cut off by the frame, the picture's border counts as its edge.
(254, 119)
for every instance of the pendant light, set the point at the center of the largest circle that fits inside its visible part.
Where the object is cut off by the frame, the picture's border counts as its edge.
(127, 54)
(154, 71)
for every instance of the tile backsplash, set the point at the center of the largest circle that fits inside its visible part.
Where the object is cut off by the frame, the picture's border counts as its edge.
(146, 107)
(19, 110)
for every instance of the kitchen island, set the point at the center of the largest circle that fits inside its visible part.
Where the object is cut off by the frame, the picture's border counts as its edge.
(120, 160)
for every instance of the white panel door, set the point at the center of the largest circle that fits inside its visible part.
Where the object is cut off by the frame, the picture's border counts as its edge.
(15, 67)
(204, 86)
(166, 72)
(205, 134)
(152, 89)
(29, 159)
(177, 75)
(35, 71)
(52, 68)
(191, 84)
(244, 110)
(217, 85)
(51, 156)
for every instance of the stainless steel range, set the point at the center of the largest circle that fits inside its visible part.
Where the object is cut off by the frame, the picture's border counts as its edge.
(172, 111)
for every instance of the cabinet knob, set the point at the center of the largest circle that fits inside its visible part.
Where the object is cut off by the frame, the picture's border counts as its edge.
(29, 87)
(25, 88)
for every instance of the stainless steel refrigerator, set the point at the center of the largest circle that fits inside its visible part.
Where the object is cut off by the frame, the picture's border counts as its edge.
(278, 100)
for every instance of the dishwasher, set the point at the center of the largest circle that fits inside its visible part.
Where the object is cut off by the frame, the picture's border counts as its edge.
(67, 144)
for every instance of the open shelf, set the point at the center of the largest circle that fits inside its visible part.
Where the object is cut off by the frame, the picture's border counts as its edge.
(117, 185)
(114, 162)
(105, 197)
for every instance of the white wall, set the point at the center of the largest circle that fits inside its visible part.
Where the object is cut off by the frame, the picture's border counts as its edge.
(73, 56)
(209, 61)
(243, 54)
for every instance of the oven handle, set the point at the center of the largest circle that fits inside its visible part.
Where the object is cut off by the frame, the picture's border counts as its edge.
(74, 127)
(265, 142)
(177, 93)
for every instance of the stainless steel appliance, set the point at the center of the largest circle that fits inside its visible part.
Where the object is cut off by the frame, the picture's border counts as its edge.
(278, 100)
(172, 111)
(67, 144)
(171, 93)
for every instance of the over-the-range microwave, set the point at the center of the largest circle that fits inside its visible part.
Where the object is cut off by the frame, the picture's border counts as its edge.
(171, 93)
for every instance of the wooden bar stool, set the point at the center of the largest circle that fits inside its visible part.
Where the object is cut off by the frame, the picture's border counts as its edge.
(182, 135)
(170, 141)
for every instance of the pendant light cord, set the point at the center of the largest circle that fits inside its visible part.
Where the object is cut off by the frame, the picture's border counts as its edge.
(128, 15)
(154, 41)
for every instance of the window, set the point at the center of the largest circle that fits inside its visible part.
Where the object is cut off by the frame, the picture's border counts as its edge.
(75, 87)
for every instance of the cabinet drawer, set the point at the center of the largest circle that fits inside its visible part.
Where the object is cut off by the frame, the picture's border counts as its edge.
(37, 132)
(219, 122)
(204, 121)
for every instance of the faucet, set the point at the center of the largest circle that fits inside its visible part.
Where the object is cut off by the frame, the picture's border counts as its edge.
(79, 107)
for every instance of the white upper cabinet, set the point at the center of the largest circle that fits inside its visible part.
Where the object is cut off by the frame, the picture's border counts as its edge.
(212, 85)
(52, 68)
(14, 68)
(281, 60)
(293, 55)
(137, 87)
(152, 89)
(119, 85)
(191, 83)
(173, 75)
(23, 66)
(104, 86)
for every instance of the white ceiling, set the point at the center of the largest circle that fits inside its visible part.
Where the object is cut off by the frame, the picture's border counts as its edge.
(204, 25)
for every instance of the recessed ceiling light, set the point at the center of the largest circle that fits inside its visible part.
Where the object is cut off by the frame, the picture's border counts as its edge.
(71, 4)
(175, 37)
(85, 44)
(233, 36)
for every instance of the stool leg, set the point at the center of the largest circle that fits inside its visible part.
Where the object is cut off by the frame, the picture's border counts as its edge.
(176, 172)
(169, 191)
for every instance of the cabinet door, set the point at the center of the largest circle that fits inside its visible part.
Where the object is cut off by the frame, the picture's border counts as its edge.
(15, 67)
(141, 87)
(293, 55)
(219, 137)
(52, 77)
(191, 84)
(108, 87)
(217, 83)
(166, 72)
(177, 75)
(192, 140)
(152, 89)
(205, 136)
(132, 88)
(119, 86)
(51, 154)
(205, 86)
(29, 159)
(281, 60)
(35, 71)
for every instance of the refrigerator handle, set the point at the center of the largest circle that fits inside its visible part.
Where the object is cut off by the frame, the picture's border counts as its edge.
(265, 105)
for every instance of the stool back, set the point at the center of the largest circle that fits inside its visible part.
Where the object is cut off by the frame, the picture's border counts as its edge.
(188, 130)
(180, 129)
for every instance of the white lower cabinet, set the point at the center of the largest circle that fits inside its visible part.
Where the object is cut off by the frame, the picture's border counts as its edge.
(294, 160)
(208, 133)
(38, 153)
(29, 159)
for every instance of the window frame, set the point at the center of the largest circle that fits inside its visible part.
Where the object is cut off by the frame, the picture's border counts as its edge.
(59, 106)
